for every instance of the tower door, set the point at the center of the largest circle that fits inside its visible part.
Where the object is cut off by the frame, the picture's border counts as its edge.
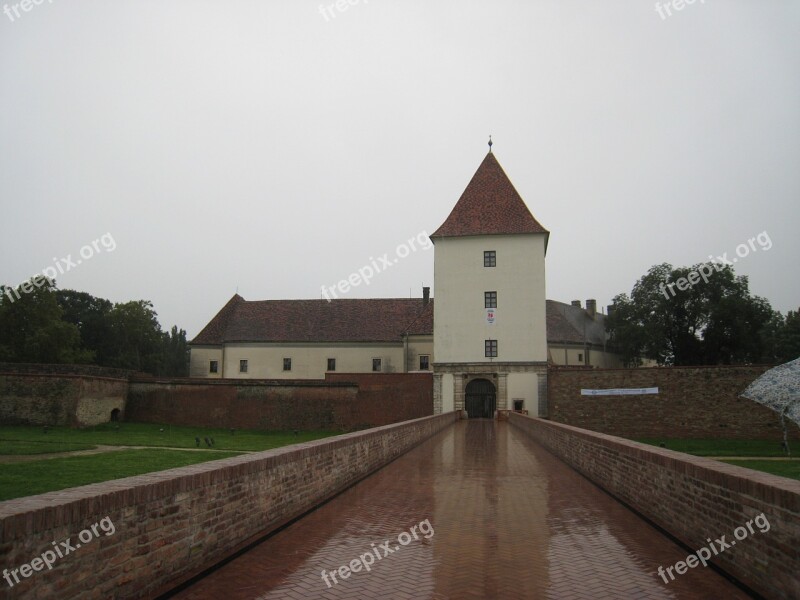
(480, 399)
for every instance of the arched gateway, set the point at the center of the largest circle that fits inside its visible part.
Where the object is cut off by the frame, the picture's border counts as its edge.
(480, 399)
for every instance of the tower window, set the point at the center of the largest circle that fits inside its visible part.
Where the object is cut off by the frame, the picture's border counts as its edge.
(491, 348)
(489, 258)
(243, 366)
(331, 364)
(424, 362)
(213, 366)
(287, 364)
(490, 299)
(376, 365)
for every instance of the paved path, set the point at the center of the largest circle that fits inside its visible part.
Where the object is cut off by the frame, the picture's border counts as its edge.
(508, 520)
(99, 449)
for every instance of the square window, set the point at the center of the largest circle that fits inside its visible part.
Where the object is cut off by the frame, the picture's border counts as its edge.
(213, 366)
(489, 258)
(331, 364)
(490, 299)
(424, 362)
(491, 348)
(243, 366)
(376, 365)
(287, 364)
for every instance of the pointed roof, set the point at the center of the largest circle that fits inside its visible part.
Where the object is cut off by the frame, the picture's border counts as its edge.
(490, 205)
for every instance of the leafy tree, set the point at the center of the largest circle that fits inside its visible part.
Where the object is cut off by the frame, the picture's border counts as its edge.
(136, 338)
(176, 353)
(90, 316)
(32, 329)
(788, 337)
(692, 316)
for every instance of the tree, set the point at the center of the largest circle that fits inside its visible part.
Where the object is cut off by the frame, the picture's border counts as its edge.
(176, 354)
(90, 316)
(692, 316)
(136, 337)
(788, 337)
(32, 329)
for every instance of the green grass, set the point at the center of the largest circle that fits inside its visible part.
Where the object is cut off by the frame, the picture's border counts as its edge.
(14, 448)
(147, 434)
(784, 468)
(720, 447)
(36, 477)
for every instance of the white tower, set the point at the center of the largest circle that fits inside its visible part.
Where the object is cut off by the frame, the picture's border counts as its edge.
(490, 333)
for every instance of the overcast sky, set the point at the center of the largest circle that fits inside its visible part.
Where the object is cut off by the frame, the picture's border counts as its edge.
(279, 146)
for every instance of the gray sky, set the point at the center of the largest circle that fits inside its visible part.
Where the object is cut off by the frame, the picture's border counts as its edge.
(266, 145)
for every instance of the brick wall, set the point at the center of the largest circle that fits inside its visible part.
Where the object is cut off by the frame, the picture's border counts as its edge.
(693, 499)
(342, 402)
(72, 400)
(172, 525)
(693, 402)
(385, 398)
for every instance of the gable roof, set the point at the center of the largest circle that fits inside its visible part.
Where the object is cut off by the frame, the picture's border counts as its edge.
(567, 323)
(341, 320)
(363, 320)
(489, 205)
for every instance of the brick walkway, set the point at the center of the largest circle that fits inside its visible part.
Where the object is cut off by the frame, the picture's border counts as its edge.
(509, 521)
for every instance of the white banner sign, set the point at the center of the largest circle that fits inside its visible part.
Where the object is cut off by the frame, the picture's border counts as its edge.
(491, 316)
(620, 392)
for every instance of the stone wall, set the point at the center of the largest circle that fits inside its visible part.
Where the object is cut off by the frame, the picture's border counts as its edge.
(72, 400)
(172, 525)
(693, 402)
(692, 498)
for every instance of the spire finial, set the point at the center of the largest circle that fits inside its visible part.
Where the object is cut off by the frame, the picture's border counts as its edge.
(490, 143)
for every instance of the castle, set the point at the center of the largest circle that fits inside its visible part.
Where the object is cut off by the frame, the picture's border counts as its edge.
(487, 338)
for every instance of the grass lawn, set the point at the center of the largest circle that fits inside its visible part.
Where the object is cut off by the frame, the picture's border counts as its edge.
(9, 447)
(46, 475)
(720, 447)
(36, 477)
(784, 468)
(147, 434)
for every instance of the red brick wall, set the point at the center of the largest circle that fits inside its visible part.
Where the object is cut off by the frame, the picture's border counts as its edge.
(174, 524)
(385, 398)
(692, 498)
(342, 402)
(693, 402)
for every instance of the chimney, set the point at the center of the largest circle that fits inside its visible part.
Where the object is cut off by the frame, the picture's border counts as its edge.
(609, 309)
(591, 307)
(576, 303)
(426, 295)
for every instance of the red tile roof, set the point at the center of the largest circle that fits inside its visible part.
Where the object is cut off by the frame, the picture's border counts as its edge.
(362, 320)
(489, 205)
(344, 320)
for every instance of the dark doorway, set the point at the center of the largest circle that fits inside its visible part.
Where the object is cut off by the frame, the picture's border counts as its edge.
(479, 399)
(115, 415)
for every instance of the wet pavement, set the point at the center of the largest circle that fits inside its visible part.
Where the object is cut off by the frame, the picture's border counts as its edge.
(478, 511)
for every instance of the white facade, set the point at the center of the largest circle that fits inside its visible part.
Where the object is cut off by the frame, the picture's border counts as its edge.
(461, 328)
(460, 325)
